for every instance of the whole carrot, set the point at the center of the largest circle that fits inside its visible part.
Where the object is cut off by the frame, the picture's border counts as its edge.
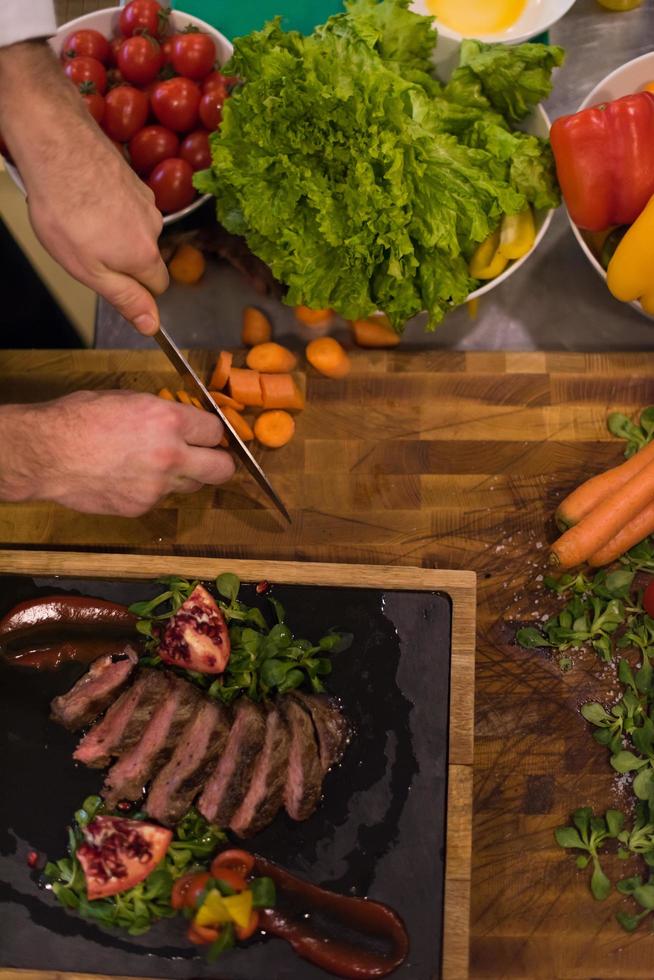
(631, 534)
(582, 500)
(606, 520)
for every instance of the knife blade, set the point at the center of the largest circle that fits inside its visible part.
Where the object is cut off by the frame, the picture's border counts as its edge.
(184, 369)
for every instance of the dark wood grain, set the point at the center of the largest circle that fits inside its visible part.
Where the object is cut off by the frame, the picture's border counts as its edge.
(446, 460)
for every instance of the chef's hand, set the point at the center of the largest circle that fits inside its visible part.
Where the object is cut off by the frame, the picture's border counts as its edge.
(87, 207)
(108, 452)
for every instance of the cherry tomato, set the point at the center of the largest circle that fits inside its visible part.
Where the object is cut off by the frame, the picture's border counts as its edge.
(175, 104)
(244, 932)
(88, 43)
(648, 599)
(150, 146)
(95, 104)
(126, 109)
(211, 109)
(143, 17)
(84, 69)
(229, 876)
(193, 54)
(195, 888)
(201, 935)
(167, 48)
(114, 78)
(195, 149)
(179, 890)
(172, 183)
(236, 859)
(222, 83)
(114, 48)
(139, 59)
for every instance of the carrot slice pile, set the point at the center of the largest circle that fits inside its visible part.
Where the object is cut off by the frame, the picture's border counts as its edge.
(223, 400)
(281, 391)
(375, 331)
(221, 371)
(274, 429)
(257, 328)
(241, 426)
(271, 358)
(245, 386)
(328, 357)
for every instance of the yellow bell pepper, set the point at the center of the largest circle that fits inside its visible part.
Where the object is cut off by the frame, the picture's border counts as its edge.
(630, 274)
(487, 261)
(517, 234)
(239, 907)
(213, 911)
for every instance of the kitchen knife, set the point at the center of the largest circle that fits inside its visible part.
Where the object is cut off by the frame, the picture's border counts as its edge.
(184, 369)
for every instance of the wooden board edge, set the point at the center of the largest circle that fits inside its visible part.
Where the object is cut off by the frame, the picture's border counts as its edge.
(458, 858)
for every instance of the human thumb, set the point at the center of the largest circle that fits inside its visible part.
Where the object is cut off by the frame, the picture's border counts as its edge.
(133, 301)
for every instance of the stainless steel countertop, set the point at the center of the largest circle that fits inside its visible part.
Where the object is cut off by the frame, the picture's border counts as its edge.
(554, 302)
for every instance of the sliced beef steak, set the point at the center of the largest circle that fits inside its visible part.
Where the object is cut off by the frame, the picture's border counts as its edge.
(124, 722)
(128, 776)
(200, 746)
(96, 690)
(227, 785)
(305, 772)
(266, 792)
(332, 727)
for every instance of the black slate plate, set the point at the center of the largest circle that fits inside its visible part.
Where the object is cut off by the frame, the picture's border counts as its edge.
(380, 830)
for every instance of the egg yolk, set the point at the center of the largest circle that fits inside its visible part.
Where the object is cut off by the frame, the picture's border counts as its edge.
(474, 17)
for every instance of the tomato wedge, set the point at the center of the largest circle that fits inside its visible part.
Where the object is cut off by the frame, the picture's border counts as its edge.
(201, 935)
(230, 877)
(236, 859)
(187, 889)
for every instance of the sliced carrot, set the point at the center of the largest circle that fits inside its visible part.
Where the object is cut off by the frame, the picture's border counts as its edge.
(274, 429)
(271, 358)
(605, 521)
(327, 356)
(222, 399)
(257, 328)
(167, 394)
(281, 391)
(184, 397)
(375, 331)
(241, 426)
(221, 371)
(582, 500)
(245, 386)
(313, 318)
(224, 442)
(187, 264)
(631, 534)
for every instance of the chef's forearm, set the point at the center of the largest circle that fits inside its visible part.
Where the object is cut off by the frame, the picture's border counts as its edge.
(20, 441)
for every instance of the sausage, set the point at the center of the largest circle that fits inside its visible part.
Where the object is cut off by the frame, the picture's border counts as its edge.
(52, 615)
(339, 957)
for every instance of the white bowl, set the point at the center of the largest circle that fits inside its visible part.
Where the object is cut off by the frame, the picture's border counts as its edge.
(623, 81)
(106, 21)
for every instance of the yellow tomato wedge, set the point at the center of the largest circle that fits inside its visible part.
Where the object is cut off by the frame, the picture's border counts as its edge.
(488, 262)
(517, 234)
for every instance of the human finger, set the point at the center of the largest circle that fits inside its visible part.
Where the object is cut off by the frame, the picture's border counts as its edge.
(199, 428)
(208, 466)
(131, 299)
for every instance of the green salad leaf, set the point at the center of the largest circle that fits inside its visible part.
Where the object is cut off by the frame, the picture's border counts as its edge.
(360, 179)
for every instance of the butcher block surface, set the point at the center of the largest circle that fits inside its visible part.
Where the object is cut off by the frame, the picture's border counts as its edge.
(446, 460)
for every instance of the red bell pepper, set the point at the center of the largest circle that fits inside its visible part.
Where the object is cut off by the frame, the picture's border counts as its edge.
(605, 161)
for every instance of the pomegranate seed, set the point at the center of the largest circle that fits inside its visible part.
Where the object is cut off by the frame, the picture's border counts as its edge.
(32, 858)
(262, 587)
(124, 805)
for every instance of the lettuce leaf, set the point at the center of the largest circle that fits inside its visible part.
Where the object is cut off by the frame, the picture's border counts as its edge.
(353, 173)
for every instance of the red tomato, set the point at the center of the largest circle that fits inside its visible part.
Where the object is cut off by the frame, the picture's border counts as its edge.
(114, 48)
(648, 599)
(172, 183)
(188, 889)
(143, 17)
(167, 48)
(193, 54)
(95, 105)
(244, 932)
(175, 104)
(88, 43)
(195, 149)
(133, 846)
(126, 109)
(84, 69)
(222, 83)
(236, 859)
(211, 109)
(114, 78)
(229, 876)
(150, 146)
(139, 59)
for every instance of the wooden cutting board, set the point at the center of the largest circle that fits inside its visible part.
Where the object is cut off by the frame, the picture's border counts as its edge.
(450, 460)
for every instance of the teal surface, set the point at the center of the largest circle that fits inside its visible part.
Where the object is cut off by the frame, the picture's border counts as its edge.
(242, 16)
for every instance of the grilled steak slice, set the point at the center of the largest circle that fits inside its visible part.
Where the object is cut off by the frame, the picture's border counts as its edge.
(331, 726)
(266, 792)
(304, 775)
(96, 690)
(227, 785)
(123, 723)
(127, 777)
(199, 747)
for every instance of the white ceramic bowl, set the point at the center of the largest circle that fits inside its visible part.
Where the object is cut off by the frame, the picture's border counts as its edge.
(106, 21)
(624, 80)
